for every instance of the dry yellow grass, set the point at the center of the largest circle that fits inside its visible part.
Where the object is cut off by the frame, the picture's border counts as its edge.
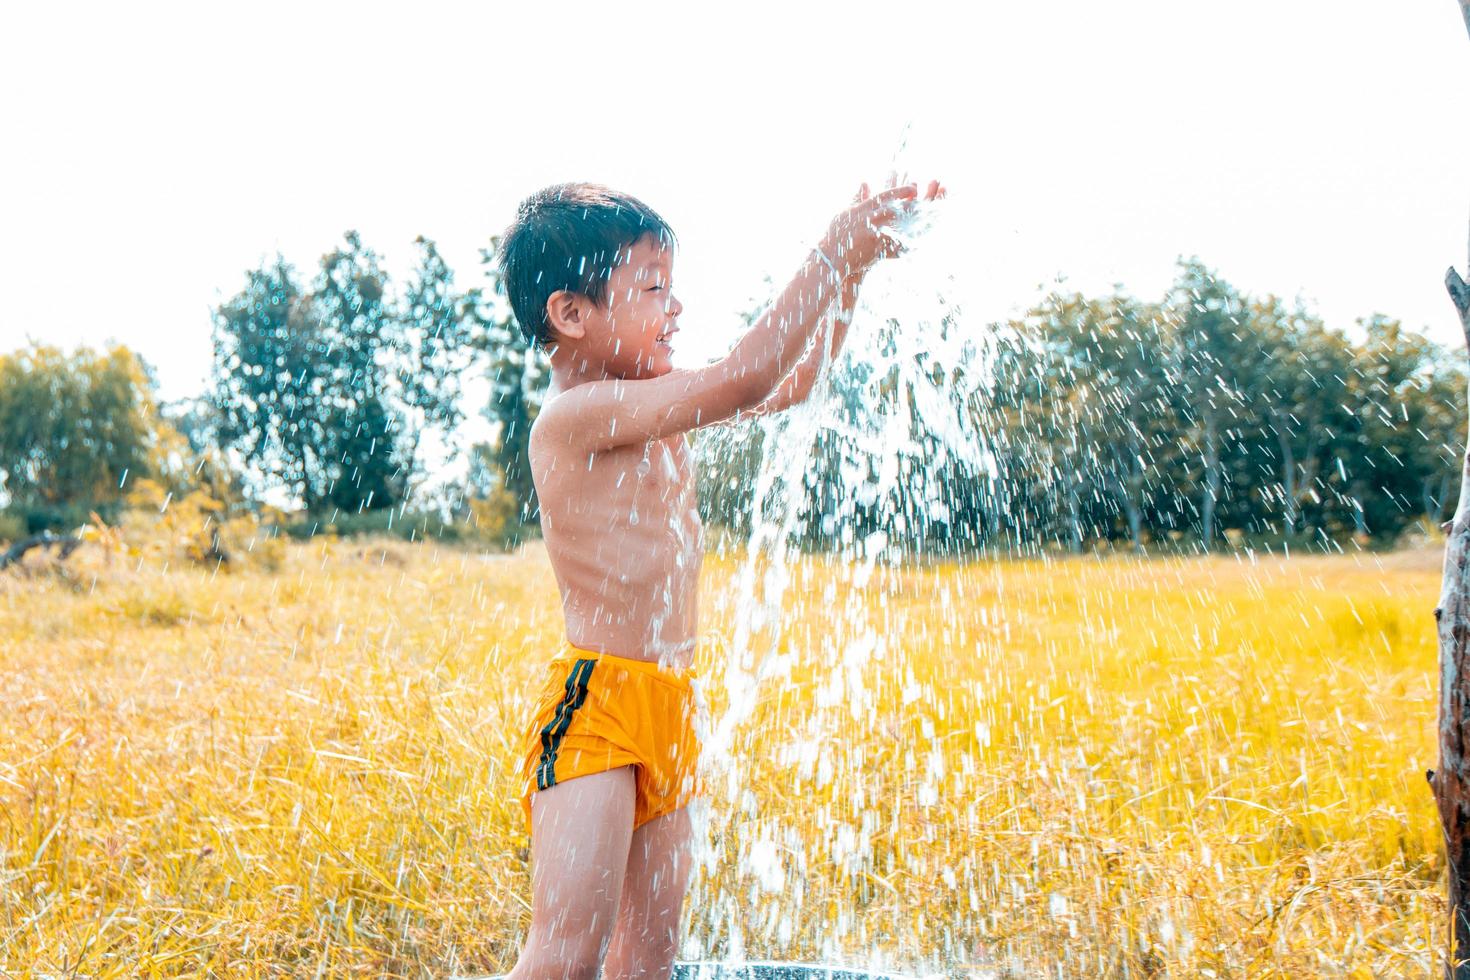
(1077, 768)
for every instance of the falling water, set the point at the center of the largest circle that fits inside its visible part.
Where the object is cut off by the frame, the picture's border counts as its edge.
(869, 459)
(912, 374)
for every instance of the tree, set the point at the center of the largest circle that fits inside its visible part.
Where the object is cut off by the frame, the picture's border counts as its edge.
(437, 337)
(1211, 357)
(1451, 780)
(517, 381)
(1389, 372)
(204, 466)
(1119, 413)
(271, 383)
(74, 429)
(1439, 407)
(367, 450)
(1304, 393)
(329, 393)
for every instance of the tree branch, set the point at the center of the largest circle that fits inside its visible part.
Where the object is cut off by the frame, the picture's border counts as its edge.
(1450, 781)
(1460, 296)
(64, 547)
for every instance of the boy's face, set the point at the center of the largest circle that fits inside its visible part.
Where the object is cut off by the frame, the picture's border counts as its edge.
(631, 334)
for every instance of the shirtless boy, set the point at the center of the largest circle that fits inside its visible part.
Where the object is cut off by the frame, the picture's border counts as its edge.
(610, 758)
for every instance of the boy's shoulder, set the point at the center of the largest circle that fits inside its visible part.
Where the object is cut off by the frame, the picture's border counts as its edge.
(568, 414)
(586, 406)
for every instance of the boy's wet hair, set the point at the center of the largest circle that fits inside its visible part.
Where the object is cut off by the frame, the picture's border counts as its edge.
(570, 236)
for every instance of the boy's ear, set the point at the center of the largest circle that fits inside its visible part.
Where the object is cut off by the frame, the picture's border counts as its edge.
(566, 312)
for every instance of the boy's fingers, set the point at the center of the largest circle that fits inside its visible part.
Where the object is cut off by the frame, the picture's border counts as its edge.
(906, 190)
(890, 209)
(885, 216)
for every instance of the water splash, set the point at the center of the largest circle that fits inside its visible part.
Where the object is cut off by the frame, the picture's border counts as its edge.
(909, 376)
(868, 462)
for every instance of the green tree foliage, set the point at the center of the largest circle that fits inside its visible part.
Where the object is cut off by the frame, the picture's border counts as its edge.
(328, 393)
(1392, 374)
(366, 462)
(271, 383)
(1208, 414)
(1218, 365)
(518, 378)
(440, 330)
(1436, 414)
(208, 469)
(75, 429)
(1241, 414)
(1302, 406)
(1090, 422)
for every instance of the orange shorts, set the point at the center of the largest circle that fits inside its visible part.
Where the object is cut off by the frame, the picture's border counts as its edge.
(598, 712)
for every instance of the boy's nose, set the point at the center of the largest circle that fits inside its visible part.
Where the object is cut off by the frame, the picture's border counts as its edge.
(675, 307)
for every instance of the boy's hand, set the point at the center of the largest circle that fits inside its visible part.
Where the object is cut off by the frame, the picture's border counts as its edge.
(887, 247)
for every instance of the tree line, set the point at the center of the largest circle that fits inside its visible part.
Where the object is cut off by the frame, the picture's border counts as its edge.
(1202, 416)
(323, 392)
(327, 390)
(1193, 418)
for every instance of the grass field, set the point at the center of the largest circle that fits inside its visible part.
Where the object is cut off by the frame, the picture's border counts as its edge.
(1080, 768)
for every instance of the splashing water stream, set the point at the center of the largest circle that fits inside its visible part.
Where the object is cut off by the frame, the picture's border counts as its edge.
(866, 459)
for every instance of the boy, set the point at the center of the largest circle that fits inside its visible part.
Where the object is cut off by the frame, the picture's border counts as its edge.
(610, 758)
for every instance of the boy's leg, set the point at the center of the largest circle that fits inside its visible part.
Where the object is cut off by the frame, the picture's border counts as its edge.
(580, 833)
(660, 860)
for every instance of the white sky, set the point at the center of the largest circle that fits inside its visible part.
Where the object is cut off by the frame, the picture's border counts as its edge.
(152, 153)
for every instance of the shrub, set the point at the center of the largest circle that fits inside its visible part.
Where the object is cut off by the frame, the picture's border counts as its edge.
(12, 527)
(485, 521)
(201, 529)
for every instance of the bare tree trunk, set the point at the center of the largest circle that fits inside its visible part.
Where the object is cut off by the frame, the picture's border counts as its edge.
(64, 546)
(1074, 519)
(1212, 477)
(1128, 488)
(1288, 473)
(1359, 493)
(1451, 781)
(1134, 510)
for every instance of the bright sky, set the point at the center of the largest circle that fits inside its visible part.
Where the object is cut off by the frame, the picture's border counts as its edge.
(154, 152)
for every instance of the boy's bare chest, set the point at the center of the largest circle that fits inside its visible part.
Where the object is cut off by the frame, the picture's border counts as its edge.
(657, 486)
(644, 494)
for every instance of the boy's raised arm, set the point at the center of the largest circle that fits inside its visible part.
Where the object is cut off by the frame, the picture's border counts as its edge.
(601, 415)
(797, 386)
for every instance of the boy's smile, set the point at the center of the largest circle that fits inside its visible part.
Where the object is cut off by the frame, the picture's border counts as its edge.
(633, 333)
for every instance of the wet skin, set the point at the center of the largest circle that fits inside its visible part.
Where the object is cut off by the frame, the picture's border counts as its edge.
(626, 545)
(616, 482)
(622, 525)
(609, 456)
